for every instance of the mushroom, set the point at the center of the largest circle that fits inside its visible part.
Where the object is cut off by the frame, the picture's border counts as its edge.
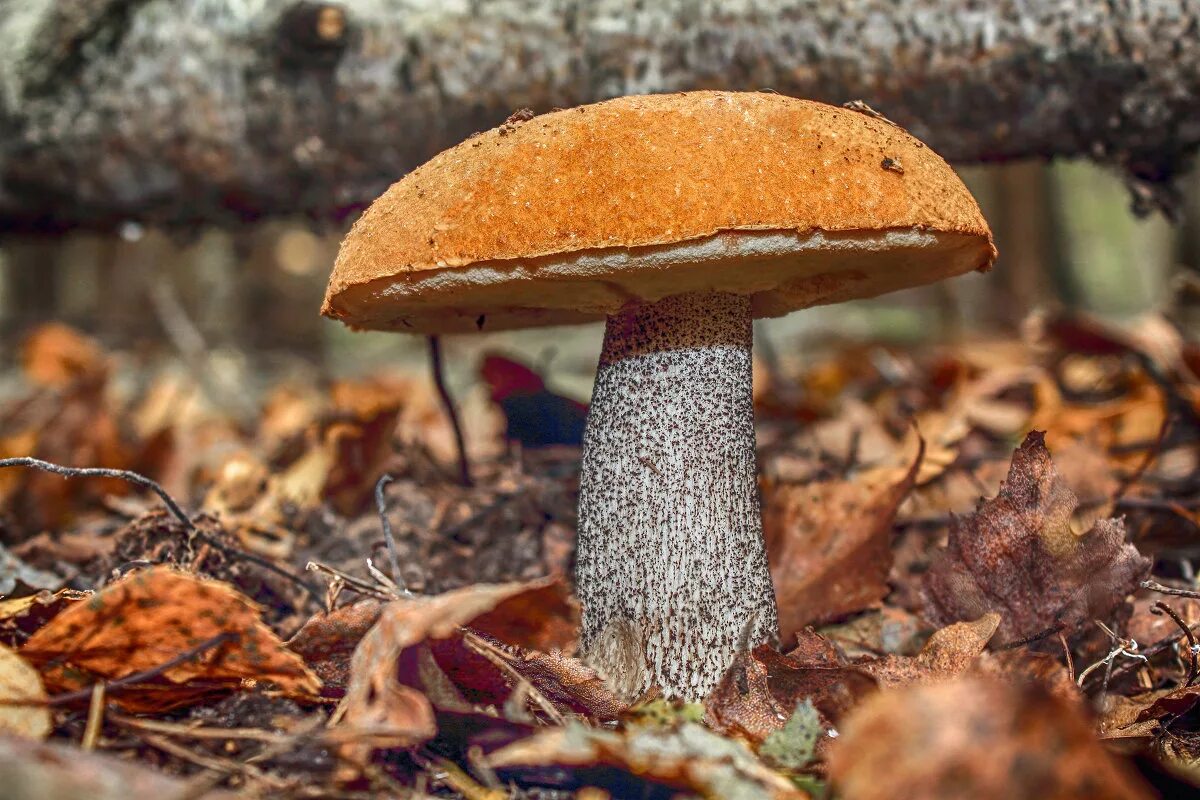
(678, 219)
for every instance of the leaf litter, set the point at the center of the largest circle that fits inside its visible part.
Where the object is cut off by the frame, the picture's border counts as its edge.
(957, 605)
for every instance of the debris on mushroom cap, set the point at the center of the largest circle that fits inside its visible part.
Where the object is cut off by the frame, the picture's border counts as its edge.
(567, 216)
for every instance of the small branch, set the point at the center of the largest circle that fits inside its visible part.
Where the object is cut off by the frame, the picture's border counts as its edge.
(1155, 586)
(172, 506)
(95, 719)
(101, 472)
(1193, 667)
(1058, 627)
(385, 523)
(439, 380)
(1067, 652)
(146, 674)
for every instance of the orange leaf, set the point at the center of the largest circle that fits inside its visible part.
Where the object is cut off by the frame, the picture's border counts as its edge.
(149, 618)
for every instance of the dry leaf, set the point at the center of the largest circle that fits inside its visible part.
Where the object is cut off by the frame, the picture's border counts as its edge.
(829, 545)
(20, 683)
(395, 714)
(949, 651)
(149, 618)
(20, 617)
(686, 757)
(1017, 554)
(761, 689)
(977, 738)
(327, 641)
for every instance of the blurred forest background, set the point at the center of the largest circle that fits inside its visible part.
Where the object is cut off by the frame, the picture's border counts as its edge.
(245, 297)
(175, 178)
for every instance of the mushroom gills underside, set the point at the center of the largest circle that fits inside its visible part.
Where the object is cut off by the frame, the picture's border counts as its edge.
(780, 271)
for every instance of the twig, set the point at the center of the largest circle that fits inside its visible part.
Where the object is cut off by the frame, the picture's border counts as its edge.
(1067, 652)
(215, 763)
(497, 658)
(1155, 649)
(146, 674)
(95, 720)
(385, 523)
(1193, 651)
(1155, 586)
(1037, 637)
(176, 510)
(356, 584)
(196, 732)
(102, 472)
(1121, 647)
(439, 380)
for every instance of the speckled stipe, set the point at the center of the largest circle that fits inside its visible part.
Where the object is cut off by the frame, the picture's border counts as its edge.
(671, 567)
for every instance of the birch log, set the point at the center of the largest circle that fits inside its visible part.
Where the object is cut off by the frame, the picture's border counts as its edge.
(193, 111)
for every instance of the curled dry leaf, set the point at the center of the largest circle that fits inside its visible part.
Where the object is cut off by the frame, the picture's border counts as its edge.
(1018, 554)
(975, 737)
(568, 683)
(762, 688)
(327, 641)
(21, 617)
(686, 756)
(949, 651)
(396, 714)
(150, 618)
(20, 684)
(829, 544)
(960, 648)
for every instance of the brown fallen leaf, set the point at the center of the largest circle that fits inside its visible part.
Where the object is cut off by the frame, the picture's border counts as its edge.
(55, 355)
(327, 641)
(761, 689)
(686, 756)
(21, 617)
(961, 648)
(828, 544)
(1018, 554)
(949, 651)
(392, 713)
(975, 737)
(20, 684)
(569, 683)
(51, 771)
(152, 617)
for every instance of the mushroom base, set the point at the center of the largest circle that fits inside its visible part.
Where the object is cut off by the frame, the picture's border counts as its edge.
(671, 566)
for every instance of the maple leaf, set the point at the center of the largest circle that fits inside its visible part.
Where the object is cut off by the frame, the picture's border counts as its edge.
(1019, 555)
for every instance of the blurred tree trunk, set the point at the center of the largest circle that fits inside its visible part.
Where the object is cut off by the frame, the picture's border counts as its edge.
(30, 282)
(188, 111)
(1022, 229)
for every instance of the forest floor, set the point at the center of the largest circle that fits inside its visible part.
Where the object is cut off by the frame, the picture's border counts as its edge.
(982, 554)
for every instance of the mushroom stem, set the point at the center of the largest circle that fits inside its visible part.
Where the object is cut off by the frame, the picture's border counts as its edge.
(671, 569)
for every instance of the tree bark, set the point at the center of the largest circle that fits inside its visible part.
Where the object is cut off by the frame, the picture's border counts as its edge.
(192, 111)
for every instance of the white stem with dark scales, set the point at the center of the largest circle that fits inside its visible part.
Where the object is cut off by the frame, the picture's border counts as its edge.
(671, 568)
